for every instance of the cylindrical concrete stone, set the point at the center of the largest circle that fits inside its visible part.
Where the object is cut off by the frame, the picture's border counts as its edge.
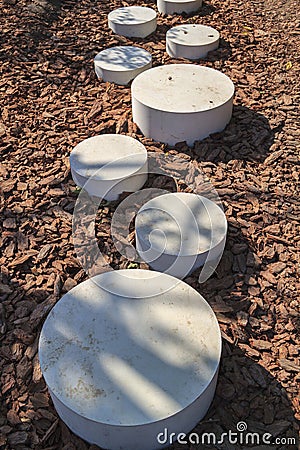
(129, 353)
(121, 64)
(178, 6)
(109, 164)
(178, 232)
(191, 41)
(181, 102)
(132, 21)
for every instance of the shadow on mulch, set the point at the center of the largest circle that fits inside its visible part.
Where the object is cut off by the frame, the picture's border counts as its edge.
(223, 52)
(248, 136)
(44, 9)
(248, 402)
(206, 10)
(37, 16)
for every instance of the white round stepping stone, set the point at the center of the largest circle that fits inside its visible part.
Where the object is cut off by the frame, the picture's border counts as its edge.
(108, 165)
(121, 64)
(181, 102)
(129, 353)
(191, 41)
(133, 21)
(178, 232)
(178, 6)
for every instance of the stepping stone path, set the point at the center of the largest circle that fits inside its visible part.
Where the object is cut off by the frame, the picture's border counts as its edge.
(133, 21)
(108, 165)
(191, 41)
(121, 64)
(123, 361)
(177, 233)
(190, 101)
(130, 353)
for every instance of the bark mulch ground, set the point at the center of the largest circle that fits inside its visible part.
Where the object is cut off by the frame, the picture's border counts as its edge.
(51, 100)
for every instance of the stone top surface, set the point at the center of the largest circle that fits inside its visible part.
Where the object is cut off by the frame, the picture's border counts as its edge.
(193, 35)
(132, 15)
(108, 157)
(182, 88)
(122, 58)
(181, 224)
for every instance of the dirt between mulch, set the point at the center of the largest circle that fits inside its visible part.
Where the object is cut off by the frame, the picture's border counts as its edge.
(51, 100)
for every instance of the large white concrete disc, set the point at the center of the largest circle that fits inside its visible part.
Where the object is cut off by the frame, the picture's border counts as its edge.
(119, 360)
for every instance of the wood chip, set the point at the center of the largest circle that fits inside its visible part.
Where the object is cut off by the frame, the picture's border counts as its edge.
(9, 223)
(261, 345)
(290, 366)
